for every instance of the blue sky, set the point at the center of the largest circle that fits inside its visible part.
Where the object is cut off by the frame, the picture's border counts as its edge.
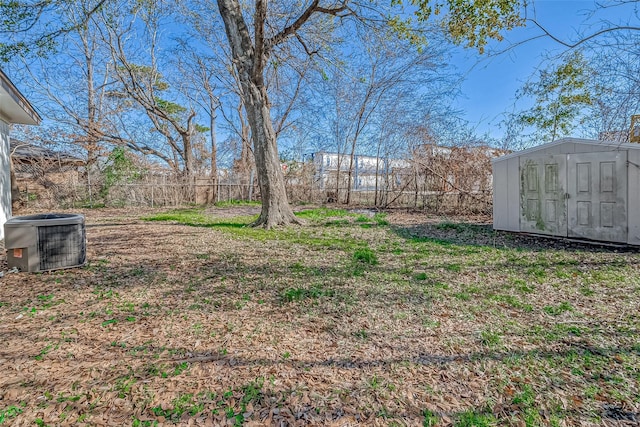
(491, 82)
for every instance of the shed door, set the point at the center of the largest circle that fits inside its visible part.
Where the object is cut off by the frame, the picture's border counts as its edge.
(542, 196)
(597, 187)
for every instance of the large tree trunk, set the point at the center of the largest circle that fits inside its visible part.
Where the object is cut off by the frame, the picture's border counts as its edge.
(275, 205)
(249, 59)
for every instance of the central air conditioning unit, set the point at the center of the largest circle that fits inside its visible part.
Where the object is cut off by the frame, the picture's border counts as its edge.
(45, 242)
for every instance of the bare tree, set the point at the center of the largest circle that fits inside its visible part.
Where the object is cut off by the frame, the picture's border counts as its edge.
(145, 84)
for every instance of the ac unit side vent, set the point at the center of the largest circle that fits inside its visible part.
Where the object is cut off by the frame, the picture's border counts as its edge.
(61, 246)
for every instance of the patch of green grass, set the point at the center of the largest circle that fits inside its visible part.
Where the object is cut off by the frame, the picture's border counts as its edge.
(299, 294)
(180, 405)
(365, 256)
(380, 218)
(430, 419)
(462, 296)
(10, 412)
(233, 202)
(43, 352)
(146, 423)
(193, 216)
(525, 403)
(586, 291)
(197, 218)
(475, 419)
(123, 386)
(513, 302)
(106, 294)
(490, 338)
(420, 276)
(321, 214)
(109, 322)
(455, 268)
(556, 310)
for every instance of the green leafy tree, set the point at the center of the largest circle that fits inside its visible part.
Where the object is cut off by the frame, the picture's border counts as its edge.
(561, 93)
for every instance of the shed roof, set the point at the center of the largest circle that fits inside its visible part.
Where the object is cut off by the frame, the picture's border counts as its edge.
(608, 145)
(14, 107)
(25, 152)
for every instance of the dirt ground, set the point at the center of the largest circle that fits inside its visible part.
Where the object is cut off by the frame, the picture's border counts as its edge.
(171, 324)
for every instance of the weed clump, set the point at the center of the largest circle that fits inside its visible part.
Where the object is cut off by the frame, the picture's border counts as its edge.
(365, 256)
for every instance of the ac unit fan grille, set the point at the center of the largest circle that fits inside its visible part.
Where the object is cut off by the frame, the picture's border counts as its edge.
(61, 246)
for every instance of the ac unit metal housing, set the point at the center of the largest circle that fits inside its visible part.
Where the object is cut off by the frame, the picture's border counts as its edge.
(45, 242)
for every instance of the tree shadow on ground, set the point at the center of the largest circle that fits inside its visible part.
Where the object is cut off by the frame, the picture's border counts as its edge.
(478, 234)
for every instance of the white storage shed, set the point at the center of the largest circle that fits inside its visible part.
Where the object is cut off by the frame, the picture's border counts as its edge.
(576, 188)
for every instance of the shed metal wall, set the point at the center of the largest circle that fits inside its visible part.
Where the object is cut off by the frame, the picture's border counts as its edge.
(506, 190)
(506, 197)
(633, 198)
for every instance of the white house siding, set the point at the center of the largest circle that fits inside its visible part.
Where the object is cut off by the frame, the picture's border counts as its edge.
(5, 177)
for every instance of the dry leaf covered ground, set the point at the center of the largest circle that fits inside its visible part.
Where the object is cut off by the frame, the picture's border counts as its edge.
(353, 319)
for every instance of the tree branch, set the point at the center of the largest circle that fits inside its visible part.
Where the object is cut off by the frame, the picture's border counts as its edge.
(584, 39)
(304, 17)
(259, 42)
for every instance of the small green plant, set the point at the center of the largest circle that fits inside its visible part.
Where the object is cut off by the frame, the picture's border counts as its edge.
(430, 419)
(462, 296)
(123, 386)
(525, 402)
(455, 268)
(558, 309)
(362, 334)
(490, 338)
(365, 256)
(420, 276)
(43, 352)
(180, 368)
(11, 412)
(586, 291)
(109, 322)
(299, 294)
(182, 404)
(474, 419)
(380, 218)
(146, 423)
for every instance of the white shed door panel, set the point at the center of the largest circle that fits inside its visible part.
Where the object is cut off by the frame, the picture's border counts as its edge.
(542, 194)
(597, 188)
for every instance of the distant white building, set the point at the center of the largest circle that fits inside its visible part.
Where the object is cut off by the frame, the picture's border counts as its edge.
(368, 172)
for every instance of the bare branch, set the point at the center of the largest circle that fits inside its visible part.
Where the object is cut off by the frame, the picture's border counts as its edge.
(584, 39)
(292, 29)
